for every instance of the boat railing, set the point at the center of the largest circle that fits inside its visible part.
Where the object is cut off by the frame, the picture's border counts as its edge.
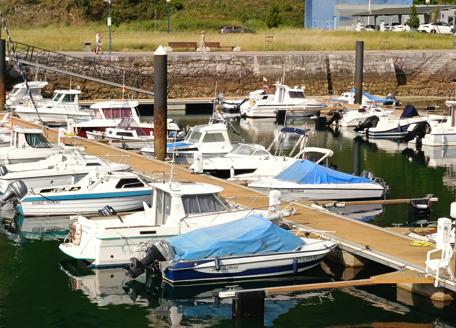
(314, 233)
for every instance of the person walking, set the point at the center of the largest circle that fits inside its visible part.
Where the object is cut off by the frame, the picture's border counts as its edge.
(98, 39)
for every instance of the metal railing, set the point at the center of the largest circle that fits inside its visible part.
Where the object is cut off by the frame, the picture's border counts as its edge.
(89, 69)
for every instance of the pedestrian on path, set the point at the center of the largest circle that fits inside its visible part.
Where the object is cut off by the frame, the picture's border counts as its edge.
(98, 40)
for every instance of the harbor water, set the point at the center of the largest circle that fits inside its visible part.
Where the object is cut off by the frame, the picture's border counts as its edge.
(41, 287)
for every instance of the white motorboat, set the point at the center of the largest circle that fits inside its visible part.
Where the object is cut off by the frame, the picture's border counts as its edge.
(305, 179)
(209, 140)
(20, 95)
(441, 133)
(292, 100)
(177, 207)
(354, 117)
(56, 170)
(122, 191)
(367, 99)
(64, 105)
(112, 113)
(246, 158)
(270, 169)
(401, 127)
(248, 248)
(29, 145)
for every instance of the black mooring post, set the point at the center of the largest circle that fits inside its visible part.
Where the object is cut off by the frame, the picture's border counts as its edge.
(2, 74)
(359, 71)
(356, 156)
(248, 305)
(160, 102)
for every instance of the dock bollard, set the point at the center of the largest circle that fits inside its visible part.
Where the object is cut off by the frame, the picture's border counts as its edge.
(248, 304)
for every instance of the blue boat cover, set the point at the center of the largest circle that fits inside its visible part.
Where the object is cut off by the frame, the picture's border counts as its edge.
(308, 172)
(386, 101)
(294, 130)
(170, 146)
(252, 234)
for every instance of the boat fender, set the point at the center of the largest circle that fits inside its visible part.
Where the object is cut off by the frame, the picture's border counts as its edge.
(295, 265)
(217, 264)
(3, 170)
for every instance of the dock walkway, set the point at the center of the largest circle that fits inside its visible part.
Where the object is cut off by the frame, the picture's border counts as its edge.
(359, 238)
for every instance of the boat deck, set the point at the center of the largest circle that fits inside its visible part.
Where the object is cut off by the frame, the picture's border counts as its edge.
(365, 240)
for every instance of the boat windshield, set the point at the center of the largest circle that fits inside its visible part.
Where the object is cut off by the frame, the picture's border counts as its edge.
(193, 136)
(248, 150)
(296, 94)
(37, 140)
(207, 203)
(15, 91)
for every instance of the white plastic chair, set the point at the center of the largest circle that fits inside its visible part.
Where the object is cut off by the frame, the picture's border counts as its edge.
(436, 265)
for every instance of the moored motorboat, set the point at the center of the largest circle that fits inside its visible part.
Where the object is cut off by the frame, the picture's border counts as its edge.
(248, 248)
(64, 105)
(177, 207)
(122, 191)
(209, 140)
(20, 95)
(261, 103)
(56, 170)
(307, 180)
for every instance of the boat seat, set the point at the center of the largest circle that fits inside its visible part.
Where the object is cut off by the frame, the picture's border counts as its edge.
(434, 266)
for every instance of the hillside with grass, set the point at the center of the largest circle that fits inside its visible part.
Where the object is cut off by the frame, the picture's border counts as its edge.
(147, 14)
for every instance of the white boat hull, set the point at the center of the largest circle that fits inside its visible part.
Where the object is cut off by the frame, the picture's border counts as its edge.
(59, 116)
(86, 204)
(323, 192)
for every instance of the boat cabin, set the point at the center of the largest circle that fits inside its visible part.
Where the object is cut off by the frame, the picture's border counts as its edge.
(285, 94)
(175, 201)
(65, 98)
(113, 109)
(209, 138)
(20, 95)
(23, 138)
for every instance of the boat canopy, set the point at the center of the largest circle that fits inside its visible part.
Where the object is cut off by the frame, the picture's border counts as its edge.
(409, 111)
(298, 131)
(308, 172)
(252, 234)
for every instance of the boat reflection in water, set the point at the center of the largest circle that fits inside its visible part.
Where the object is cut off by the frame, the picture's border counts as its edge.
(177, 305)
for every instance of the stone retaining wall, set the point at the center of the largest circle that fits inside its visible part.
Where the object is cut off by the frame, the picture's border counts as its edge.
(414, 73)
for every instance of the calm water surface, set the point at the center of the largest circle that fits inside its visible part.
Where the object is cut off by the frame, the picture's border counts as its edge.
(40, 287)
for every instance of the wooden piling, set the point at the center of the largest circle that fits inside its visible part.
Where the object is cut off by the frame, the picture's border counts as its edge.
(359, 64)
(160, 102)
(2, 74)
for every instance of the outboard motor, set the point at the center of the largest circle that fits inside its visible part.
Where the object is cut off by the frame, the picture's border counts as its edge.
(370, 122)
(418, 130)
(3, 170)
(15, 190)
(336, 117)
(157, 252)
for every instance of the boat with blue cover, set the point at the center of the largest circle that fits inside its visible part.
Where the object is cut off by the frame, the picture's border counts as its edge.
(248, 248)
(308, 180)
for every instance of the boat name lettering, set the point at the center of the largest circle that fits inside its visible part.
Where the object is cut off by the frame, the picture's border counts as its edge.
(226, 268)
(46, 202)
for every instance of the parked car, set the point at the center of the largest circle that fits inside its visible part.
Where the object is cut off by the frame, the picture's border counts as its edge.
(437, 27)
(363, 28)
(400, 28)
(235, 29)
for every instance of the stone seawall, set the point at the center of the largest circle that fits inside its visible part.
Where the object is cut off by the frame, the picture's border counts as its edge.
(404, 73)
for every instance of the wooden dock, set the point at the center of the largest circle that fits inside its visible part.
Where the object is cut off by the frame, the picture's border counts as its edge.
(359, 238)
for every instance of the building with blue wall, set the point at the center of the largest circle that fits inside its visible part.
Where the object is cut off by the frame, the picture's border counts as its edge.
(334, 14)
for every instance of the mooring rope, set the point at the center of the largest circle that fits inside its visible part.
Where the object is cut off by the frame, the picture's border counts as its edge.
(20, 65)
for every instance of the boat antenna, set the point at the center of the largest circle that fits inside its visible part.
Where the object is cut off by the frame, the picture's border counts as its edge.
(20, 65)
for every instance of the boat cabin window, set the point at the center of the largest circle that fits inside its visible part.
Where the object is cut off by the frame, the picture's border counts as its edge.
(116, 112)
(163, 206)
(208, 203)
(93, 164)
(193, 136)
(129, 183)
(124, 134)
(214, 137)
(69, 98)
(37, 140)
(296, 94)
(15, 91)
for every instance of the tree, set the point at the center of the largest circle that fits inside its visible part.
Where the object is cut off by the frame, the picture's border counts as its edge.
(273, 19)
(413, 21)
